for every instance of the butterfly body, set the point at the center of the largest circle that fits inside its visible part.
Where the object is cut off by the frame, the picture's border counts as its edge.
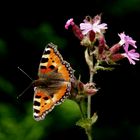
(54, 82)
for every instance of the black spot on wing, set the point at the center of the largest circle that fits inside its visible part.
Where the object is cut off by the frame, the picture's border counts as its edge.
(36, 111)
(35, 116)
(43, 67)
(36, 103)
(51, 67)
(44, 60)
(47, 52)
(37, 96)
(45, 98)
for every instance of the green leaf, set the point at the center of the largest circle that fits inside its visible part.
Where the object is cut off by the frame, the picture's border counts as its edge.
(104, 68)
(84, 123)
(94, 118)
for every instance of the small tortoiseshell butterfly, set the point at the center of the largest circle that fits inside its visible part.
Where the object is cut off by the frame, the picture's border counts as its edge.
(54, 83)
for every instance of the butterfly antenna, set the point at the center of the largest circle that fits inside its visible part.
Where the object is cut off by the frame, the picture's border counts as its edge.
(25, 73)
(28, 86)
(24, 91)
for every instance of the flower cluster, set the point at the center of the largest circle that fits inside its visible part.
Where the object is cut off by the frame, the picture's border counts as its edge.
(91, 32)
(97, 53)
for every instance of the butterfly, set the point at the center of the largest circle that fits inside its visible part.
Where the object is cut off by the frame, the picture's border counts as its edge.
(53, 85)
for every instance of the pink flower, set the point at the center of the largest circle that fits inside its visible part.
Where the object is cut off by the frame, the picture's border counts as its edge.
(132, 55)
(95, 26)
(68, 23)
(126, 41)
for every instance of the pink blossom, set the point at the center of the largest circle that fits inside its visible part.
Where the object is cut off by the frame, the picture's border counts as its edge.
(132, 55)
(68, 23)
(126, 41)
(95, 26)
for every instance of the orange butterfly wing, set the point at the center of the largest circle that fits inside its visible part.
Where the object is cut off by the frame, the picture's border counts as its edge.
(54, 83)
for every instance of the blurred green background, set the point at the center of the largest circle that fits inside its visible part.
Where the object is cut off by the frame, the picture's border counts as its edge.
(25, 30)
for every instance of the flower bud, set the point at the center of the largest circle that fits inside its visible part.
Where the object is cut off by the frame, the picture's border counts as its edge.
(115, 48)
(90, 89)
(77, 32)
(116, 57)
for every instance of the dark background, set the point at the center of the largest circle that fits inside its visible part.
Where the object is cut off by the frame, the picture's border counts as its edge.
(25, 29)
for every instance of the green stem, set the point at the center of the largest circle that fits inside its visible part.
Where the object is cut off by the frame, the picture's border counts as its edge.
(89, 97)
(89, 129)
(92, 70)
(89, 137)
(82, 108)
(88, 132)
(89, 107)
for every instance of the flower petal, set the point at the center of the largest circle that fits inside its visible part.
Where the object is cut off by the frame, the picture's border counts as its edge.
(126, 41)
(132, 55)
(85, 27)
